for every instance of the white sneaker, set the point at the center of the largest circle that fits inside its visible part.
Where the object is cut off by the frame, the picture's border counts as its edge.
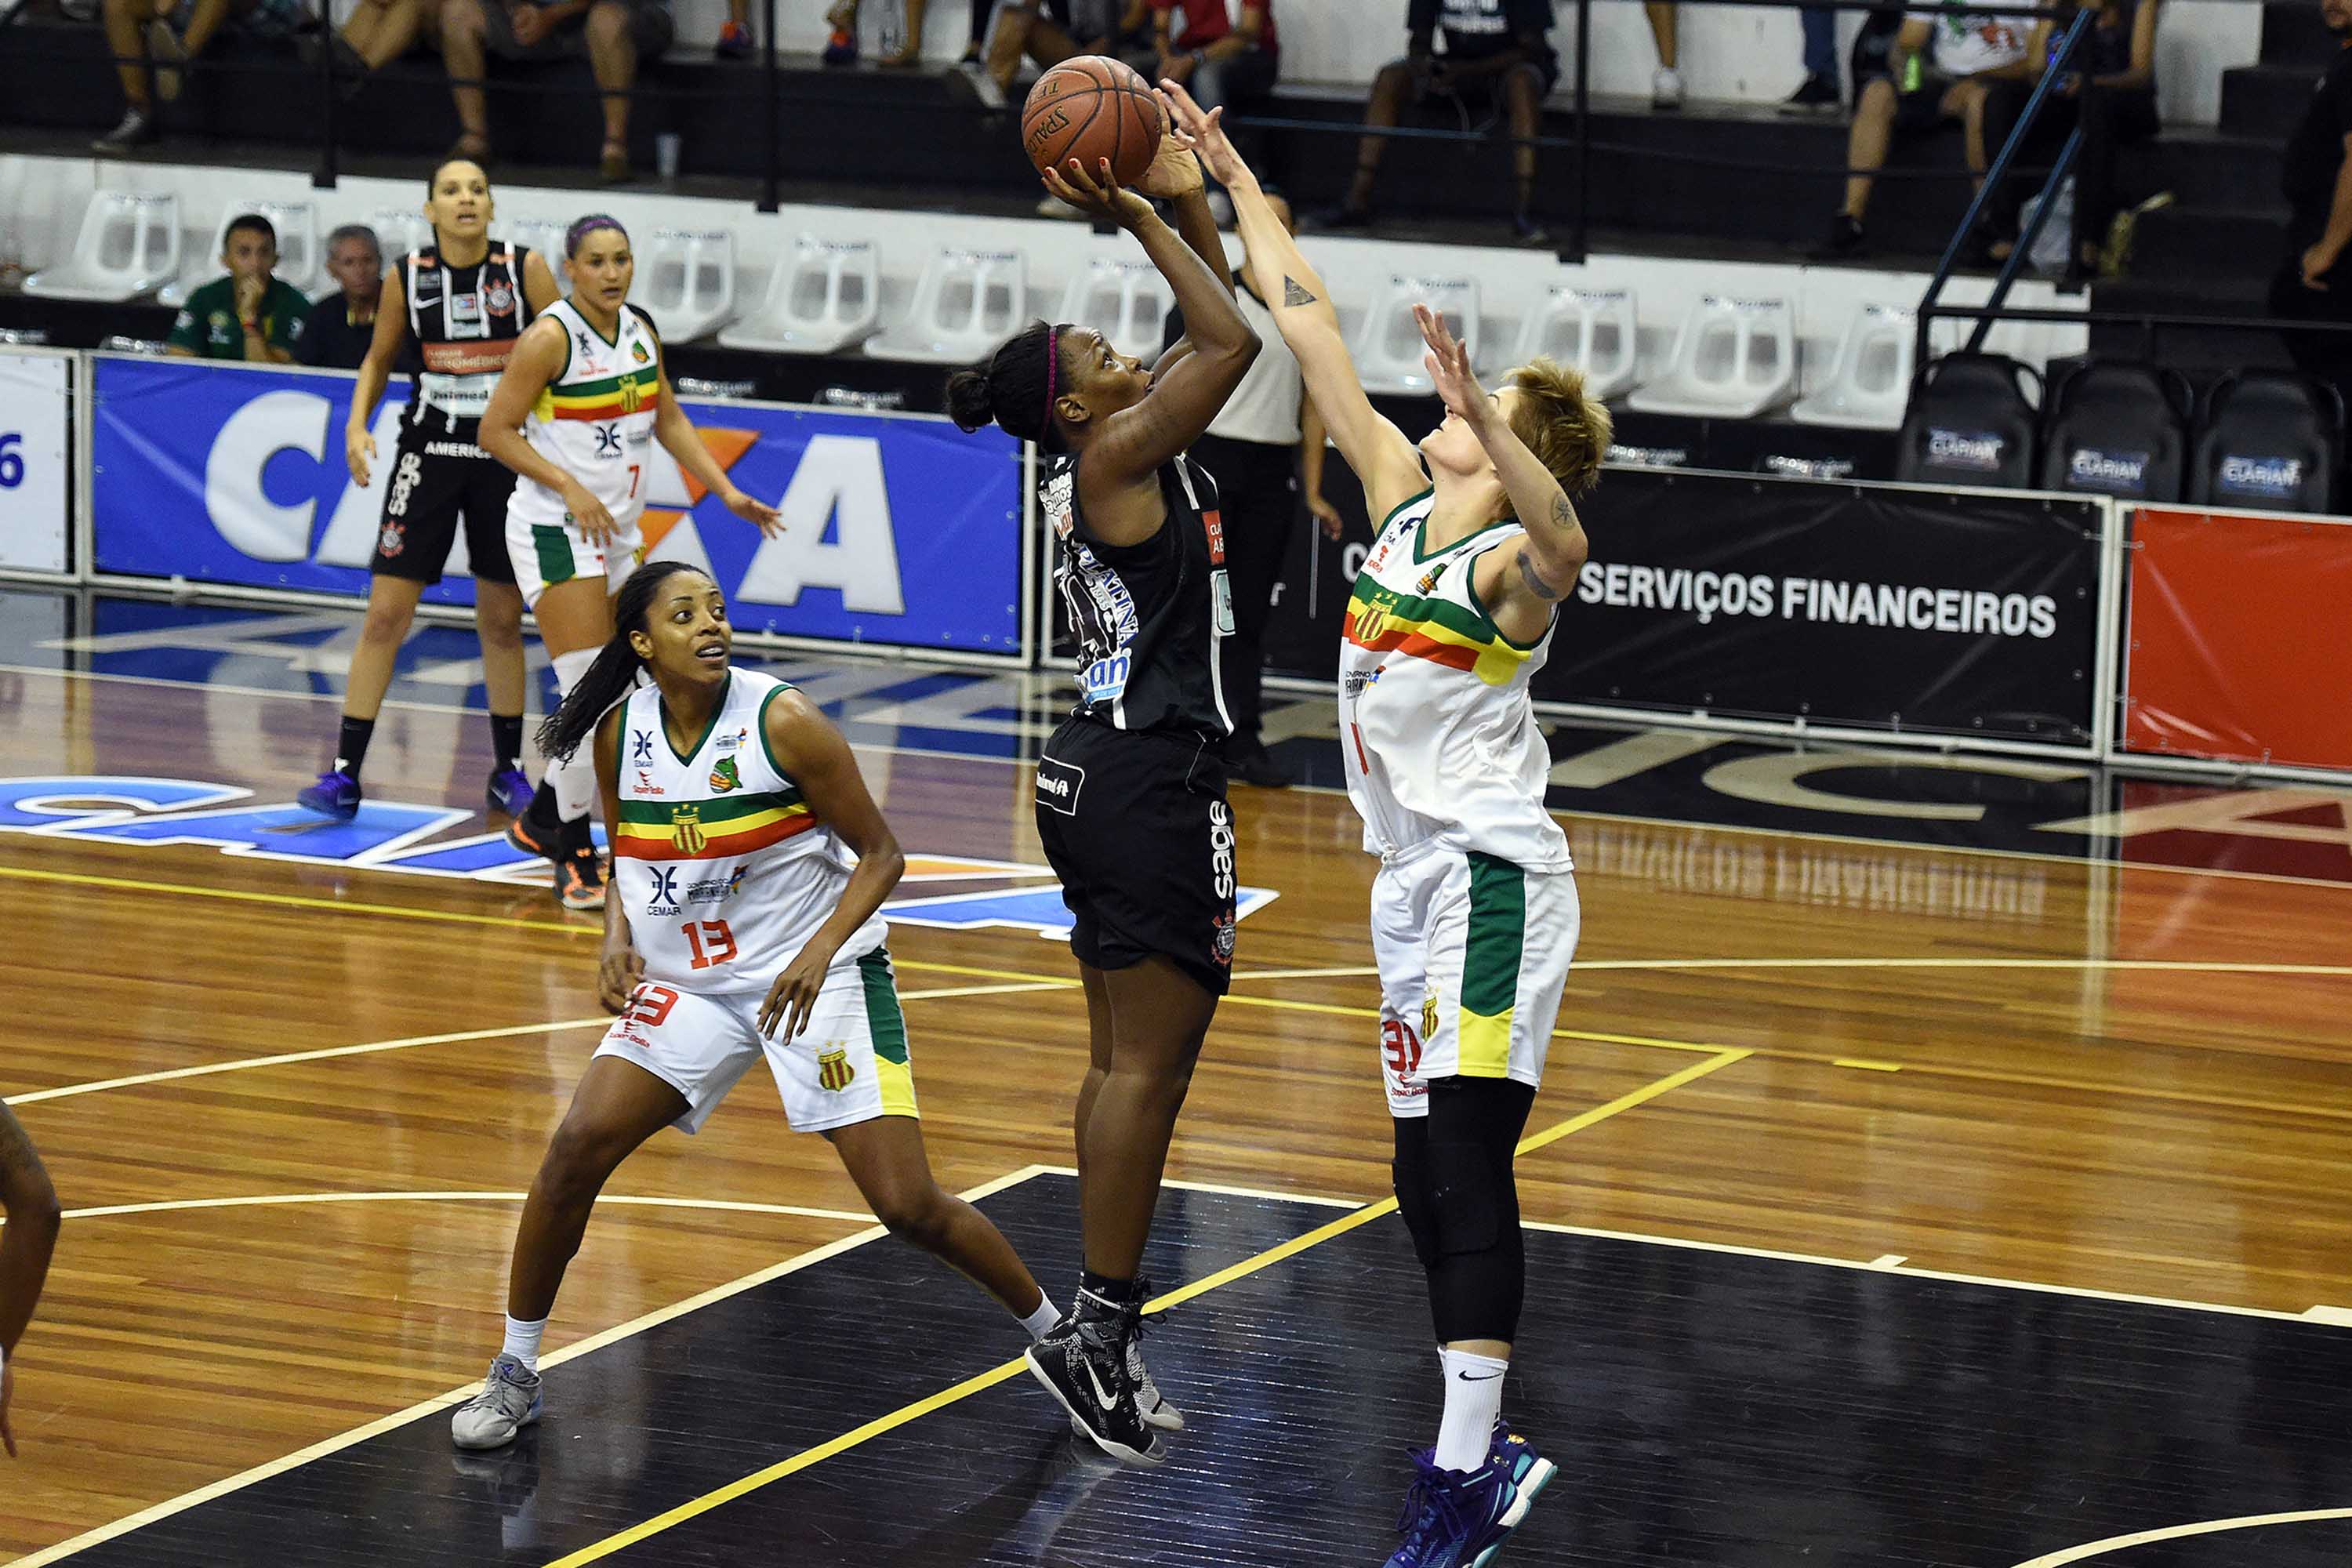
(1150, 1403)
(984, 86)
(1667, 89)
(509, 1400)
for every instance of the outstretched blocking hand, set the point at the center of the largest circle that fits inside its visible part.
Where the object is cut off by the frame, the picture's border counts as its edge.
(1174, 171)
(1099, 195)
(1448, 361)
(1203, 132)
(754, 511)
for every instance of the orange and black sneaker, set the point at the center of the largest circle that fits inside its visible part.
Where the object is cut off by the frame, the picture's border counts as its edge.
(579, 882)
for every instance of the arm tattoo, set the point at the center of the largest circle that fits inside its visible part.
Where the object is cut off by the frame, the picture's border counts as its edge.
(1562, 514)
(1292, 294)
(1534, 579)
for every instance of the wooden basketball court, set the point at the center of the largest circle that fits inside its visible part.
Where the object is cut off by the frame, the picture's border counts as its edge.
(291, 1106)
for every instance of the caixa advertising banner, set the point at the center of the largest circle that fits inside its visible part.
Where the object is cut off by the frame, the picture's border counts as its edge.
(899, 529)
(1866, 606)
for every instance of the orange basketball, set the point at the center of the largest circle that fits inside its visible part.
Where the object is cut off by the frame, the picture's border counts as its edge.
(1091, 108)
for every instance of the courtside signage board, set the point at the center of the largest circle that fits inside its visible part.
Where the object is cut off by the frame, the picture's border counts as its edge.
(900, 530)
(1870, 607)
(2240, 640)
(36, 411)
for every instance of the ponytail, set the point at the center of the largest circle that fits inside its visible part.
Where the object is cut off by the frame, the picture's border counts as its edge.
(615, 674)
(1014, 388)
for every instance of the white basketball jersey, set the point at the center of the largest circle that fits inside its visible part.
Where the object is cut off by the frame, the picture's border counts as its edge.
(595, 420)
(723, 872)
(1438, 729)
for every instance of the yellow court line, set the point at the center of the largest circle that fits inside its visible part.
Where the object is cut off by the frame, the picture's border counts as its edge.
(1858, 1065)
(2114, 1543)
(994, 1375)
(596, 1341)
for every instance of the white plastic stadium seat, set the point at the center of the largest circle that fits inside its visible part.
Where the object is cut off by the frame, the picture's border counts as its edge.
(1733, 359)
(1389, 348)
(299, 258)
(824, 296)
(128, 245)
(1127, 301)
(1871, 382)
(686, 280)
(544, 234)
(1589, 330)
(400, 231)
(966, 303)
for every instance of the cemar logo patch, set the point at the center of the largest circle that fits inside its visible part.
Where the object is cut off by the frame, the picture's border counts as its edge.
(685, 829)
(833, 1069)
(725, 775)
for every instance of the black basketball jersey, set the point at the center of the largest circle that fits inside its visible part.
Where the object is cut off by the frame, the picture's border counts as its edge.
(465, 320)
(1149, 618)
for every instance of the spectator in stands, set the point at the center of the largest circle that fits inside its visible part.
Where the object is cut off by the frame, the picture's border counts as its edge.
(251, 314)
(1499, 56)
(2119, 56)
(734, 40)
(1665, 31)
(342, 324)
(153, 39)
(1266, 447)
(377, 33)
(841, 49)
(1818, 93)
(617, 36)
(2312, 284)
(1052, 31)
(1947, 62)
(1221, 64)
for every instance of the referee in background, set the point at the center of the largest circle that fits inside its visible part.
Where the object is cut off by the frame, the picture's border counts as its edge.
(1266, 442)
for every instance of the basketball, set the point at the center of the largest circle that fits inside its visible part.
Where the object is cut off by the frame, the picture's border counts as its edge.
(1092, 108)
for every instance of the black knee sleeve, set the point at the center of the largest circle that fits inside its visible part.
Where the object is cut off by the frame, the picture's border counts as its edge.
(1410, 1172)
(1478, 1280)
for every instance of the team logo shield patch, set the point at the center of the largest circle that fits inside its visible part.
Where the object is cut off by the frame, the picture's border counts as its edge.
(1429, 1016)
(725, 775)
(637, 351)
(833, 1069)
(686, 830)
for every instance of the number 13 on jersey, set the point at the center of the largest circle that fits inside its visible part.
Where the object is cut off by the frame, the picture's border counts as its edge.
(710, 942)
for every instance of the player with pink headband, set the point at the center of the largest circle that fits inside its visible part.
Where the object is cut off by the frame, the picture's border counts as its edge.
(1131, 788)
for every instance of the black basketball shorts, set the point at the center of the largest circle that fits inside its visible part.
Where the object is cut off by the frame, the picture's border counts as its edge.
(1136, 825)
(436, 476)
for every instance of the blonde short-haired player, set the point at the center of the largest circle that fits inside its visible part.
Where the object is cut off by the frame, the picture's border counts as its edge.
(1475, 911)
(583, 402)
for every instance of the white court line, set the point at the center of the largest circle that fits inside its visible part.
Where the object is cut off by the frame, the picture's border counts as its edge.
(320, 1450)
(2158, 965)
(2084, 1291)
(1230, 1192)
(414, 706)
(2180, 1532)
(266, 1200)
(1569, 814)
(33, 1097)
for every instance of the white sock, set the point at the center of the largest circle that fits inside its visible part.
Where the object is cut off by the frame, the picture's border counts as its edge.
(576, 781)
(1474, 1399)
(1044, 1318)
(522, 1341)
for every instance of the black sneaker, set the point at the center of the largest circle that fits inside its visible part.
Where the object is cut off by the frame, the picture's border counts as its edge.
(1090, 1379)
(1846, 241)
(538, 829)
(1817, 94)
